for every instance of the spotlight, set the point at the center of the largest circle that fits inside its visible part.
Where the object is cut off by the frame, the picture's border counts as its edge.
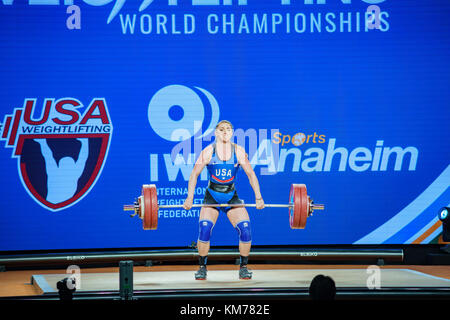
(444, 217)
(443, 214)
(66, 288)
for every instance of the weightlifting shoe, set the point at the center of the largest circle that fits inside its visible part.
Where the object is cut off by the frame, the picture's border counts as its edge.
(245, 274)
(201, 273)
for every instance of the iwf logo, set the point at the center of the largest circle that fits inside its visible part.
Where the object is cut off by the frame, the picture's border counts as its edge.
(61, 152)
(178, 112)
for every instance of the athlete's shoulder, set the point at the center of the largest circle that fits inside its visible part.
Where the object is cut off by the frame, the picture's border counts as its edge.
(209, 148)
(238, 148)
(240, 151)
(208, 151)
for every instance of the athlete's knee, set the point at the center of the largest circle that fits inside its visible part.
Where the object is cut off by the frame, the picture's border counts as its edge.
(244, 230)
(204, 230)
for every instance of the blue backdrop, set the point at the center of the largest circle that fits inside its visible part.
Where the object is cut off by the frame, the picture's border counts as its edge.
(106, 83)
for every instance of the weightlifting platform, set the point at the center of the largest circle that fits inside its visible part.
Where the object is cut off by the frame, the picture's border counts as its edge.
(275, 280)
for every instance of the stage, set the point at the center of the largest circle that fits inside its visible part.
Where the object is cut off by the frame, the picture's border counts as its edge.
(269, 281)
(262, 279)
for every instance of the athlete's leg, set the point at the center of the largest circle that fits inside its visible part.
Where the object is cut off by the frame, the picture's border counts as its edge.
(240, 220)
(238, 216)
(207, 220)
(207, 214)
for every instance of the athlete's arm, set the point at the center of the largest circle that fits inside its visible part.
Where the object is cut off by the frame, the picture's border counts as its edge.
(242, 158)
(202, 161)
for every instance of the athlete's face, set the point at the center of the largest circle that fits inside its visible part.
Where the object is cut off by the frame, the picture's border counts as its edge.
(224, 132)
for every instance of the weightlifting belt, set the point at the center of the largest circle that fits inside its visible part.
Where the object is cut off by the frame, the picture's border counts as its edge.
(224, 188)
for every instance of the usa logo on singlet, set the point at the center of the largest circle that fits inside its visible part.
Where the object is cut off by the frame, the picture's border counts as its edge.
(61, 147)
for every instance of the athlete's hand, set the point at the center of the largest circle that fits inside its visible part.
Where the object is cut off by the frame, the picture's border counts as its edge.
(188, 203)
(260, 203)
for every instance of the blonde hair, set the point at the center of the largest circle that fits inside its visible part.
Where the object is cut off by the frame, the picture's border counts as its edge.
(224, 121)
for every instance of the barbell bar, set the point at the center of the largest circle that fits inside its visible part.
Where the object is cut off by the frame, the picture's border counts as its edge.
(301, 206)
(131, 207)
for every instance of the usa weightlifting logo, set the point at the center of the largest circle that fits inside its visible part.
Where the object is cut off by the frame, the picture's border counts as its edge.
(62, 152)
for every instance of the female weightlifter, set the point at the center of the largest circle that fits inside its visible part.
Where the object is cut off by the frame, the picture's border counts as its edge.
(222, 159)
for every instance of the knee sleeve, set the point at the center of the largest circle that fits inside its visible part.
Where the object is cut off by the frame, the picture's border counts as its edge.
(204, 230)
(245, 233)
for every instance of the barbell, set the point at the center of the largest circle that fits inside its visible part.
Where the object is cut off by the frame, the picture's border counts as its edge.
(301, 206)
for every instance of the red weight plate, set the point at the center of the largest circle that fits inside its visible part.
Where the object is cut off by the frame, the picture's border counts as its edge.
(146, 207)
(305, 206)
(299, 212)
(291, 209)
(154, 210)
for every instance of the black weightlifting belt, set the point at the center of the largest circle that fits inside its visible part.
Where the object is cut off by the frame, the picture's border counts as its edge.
(224, 188)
